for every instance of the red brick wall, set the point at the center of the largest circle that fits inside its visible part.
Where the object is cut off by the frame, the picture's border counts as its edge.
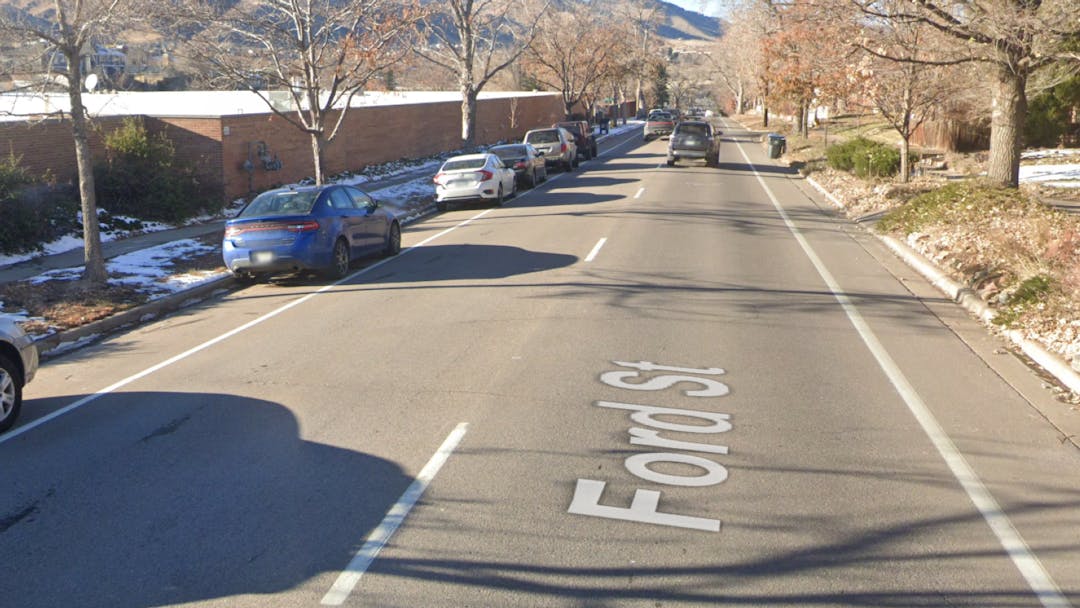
(46, 147)
(370, 135)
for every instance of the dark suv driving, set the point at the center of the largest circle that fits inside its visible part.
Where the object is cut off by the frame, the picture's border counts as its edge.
(693, 139)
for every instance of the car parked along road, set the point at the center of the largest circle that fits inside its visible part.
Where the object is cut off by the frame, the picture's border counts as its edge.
(18, 365)
(321, 228)
(474, 177)
(557, 144)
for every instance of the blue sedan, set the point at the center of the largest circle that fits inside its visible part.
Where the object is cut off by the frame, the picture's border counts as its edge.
(320, 228)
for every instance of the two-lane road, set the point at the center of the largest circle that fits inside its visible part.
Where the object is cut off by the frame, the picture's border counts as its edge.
(634, 386)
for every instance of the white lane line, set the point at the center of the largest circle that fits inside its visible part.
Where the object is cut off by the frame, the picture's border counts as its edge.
(1038, 579)
(595, 250)
(12, 434)
(639, 192)
(378, 538)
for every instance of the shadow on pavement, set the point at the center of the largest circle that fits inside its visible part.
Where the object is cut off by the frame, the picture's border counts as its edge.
(225, 499)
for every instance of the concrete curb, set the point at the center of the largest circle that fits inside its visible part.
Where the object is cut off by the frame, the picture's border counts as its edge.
(65, 341)
(972, 302)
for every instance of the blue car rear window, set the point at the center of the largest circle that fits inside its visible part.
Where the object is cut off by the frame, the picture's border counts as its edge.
(281, 203)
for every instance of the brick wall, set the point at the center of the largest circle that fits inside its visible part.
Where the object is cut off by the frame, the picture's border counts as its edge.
(369, 135)
(219, 146)
(46, 147)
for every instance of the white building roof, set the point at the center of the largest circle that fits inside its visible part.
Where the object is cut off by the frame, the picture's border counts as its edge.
(20, 106)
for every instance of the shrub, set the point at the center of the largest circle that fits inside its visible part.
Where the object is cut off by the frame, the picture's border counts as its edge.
(33, 212)
(865, 158)
(141, 177)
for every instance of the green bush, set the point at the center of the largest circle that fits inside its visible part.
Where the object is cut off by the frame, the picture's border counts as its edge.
(865, 158)
(141, 177)
(33, 212)
(1049, 115)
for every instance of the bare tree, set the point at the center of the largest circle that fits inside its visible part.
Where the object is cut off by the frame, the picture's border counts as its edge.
(62, 36)
(644, 16)
(475, 40)
(320, 53)
(1016, 38)
(905, 93)
(574, 50)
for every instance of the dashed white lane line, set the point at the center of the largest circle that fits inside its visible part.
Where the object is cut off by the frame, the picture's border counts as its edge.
(639, 192)
(595, 250)
(12, 434)
(363, 559)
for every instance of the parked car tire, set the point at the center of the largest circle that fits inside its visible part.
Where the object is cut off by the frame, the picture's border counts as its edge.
(339, 266)
(568, 165)
(245, 277)
(499, 199)
(671, 162)
(10, 393)
(576, 161)
(393, 240)
(440, 206)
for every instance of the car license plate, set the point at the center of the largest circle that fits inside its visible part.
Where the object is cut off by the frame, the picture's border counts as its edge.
(262, 257)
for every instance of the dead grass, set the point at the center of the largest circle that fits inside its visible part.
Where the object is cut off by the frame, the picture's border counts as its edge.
(60, 305)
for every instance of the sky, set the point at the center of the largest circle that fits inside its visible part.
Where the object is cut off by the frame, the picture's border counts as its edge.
(711, 8)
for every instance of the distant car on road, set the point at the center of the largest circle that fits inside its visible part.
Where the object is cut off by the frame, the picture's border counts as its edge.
(18, 366)
(693, 139)
(472, 177)
(557, 144)
(658, 124)
(526, 161)
(321, 228)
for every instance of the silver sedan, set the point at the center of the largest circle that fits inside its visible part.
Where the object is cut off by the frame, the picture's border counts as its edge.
(18, 365)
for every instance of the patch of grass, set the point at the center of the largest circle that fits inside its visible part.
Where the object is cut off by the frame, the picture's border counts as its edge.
(959, 203)
(1028, 294)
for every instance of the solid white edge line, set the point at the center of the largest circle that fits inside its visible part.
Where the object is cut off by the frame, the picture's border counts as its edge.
(350, 576)
(18, 431)
(595, 250)
(1038, 579)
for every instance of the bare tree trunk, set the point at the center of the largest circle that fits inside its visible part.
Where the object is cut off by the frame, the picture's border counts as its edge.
(317, 155)
(905, 170)
(94, 271)
(1009, 108)
(468, 116)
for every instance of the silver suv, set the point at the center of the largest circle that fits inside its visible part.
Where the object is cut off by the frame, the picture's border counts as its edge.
(18, 364)
(557, 144)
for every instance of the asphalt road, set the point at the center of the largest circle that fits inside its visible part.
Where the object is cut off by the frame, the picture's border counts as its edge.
(633, 386)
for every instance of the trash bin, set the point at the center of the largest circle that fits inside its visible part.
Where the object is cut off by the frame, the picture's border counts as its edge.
(776, 144)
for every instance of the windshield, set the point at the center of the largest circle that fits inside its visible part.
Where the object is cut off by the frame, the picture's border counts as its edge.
(281, 203)
(660, 116)
(542, 137)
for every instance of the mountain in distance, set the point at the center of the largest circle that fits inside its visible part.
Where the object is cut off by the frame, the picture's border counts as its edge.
(680, 24)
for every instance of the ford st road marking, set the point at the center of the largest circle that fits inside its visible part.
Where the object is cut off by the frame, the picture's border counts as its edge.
(706, 472)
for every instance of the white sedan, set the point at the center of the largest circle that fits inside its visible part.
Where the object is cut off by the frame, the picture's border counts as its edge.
(472, 177)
